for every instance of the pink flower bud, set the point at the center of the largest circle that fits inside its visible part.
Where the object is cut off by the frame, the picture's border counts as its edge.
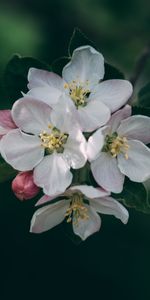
(23, 186)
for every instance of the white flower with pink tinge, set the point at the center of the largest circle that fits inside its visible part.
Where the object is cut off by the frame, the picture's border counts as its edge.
(118, 149)
(6, 122)
(46, 141)
(90, 99)
(80, 205)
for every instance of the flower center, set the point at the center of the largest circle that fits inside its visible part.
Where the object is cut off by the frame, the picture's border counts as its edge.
(79, 92)
(77, 210)
(115, 145)
(53, 140)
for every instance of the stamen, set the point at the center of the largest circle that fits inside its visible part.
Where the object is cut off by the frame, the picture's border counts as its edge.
(54, 140)
(79, 92)
(77, 210)
(116, 145)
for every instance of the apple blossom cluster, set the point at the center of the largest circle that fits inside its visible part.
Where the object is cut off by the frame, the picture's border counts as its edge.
(73, 122)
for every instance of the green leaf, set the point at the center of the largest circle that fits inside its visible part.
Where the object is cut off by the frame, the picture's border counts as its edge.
(112, 72)
(15, 76)
(134, 195)
(144, 96)
(59, 63)
(138, 110)
(78, 39)
(6, 172)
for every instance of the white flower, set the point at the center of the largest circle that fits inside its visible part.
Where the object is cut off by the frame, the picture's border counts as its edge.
(48, 142)
(91, 99)
(81, 205)
(118, 149)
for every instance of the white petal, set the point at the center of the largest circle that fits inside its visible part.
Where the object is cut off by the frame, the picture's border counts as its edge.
(53, 174)
(96, 142)
(86, 64)
(44, 199)
(49, 216)
(85, 228)
(75, 150)
(110, 206)
(137, 166)
(64, 115)
(136, 127)
(41, 78)
(89, 191)
(31, 116)
(107, 173)
(114, 93)
(49, 95)
(22, 151)
(93, 115)
(118, 116)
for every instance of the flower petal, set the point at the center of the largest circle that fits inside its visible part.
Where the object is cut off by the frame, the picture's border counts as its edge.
(31, 116)
(6, 121)
(89, 191)
(110, 206)
(41, 78)
(107, 174)
(53, 174)
(86, 65)
(22, 151)
(44, 199)
(47, 94)
(93, 115)
(118, 116)
(49, 216)
(137, 166)
(96, 142)
(75, 150)
(113, 93)
(85, 228)
(136, 127)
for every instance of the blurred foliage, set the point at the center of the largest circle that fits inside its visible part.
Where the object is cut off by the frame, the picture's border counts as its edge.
(119, 29)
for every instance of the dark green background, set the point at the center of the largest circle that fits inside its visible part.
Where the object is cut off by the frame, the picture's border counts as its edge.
(114, 263)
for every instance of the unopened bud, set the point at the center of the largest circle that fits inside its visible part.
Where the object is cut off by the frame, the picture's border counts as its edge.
(24, 187)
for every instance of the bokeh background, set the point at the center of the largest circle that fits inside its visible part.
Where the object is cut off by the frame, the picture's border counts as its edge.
(115, 263)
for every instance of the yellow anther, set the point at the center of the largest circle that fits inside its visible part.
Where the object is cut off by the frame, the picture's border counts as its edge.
(53, 140)
(119, 145)
(78, 92)
(77, 210)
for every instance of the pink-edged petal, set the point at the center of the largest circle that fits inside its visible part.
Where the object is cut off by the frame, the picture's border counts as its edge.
(114, 93)
(41, 78)
(96, 142)
(110, 206)
(49, 95)
(44, 199)
(137, 166)
(22, 151)
(136, 127)
(89, 191)
(107, 174)
(86, 65)
(47, 217)
(93, 115)
(118, 116)
(75, 150)
(86, 227)
(6, 121)
(31, 116)
(53, 174)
